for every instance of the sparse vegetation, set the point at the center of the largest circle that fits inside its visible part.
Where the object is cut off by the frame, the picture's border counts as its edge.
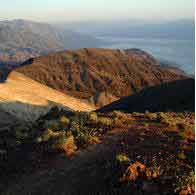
(150, 116)
(186, 184)
(142, 152)
(122, 158)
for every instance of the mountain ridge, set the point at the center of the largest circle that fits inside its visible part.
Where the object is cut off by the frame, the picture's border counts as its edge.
(99, 75)
(22, 39)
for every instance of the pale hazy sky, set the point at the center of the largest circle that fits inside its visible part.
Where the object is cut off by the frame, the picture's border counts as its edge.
(76, 10)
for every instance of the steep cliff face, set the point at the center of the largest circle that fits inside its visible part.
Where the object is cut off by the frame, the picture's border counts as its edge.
(99, 75)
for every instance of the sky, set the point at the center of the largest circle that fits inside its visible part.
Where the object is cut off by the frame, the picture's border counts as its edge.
(89, 10)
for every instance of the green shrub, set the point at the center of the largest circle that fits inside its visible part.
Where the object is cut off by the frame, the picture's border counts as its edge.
(122, 158)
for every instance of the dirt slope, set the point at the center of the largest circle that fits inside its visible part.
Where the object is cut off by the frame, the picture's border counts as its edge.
(27, 99)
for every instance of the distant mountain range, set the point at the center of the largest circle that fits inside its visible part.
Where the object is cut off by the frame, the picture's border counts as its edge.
(21, 39)
(180, 29)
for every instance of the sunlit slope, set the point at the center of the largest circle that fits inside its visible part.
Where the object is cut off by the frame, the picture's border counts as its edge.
(27, 99)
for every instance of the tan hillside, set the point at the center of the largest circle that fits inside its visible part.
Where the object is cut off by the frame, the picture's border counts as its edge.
(28, 99)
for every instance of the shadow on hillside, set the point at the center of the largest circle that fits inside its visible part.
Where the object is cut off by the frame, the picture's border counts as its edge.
(178, 96)
(4, 72)
(17, 112)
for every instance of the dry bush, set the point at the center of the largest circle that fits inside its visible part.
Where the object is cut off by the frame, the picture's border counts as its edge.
(65, 144)
(165, 119)
(150, 116)
(133, 172)
(93, 117)
(64, 121)
(105, 122)
(120, 115)
(185, 184)
(136, 114)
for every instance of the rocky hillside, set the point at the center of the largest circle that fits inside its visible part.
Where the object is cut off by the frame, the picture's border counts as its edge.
(99, 75)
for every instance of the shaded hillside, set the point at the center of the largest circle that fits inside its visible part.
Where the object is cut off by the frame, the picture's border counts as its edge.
(176, 96)
(21, 39)
(27, 99)
(98, 75)
(4, 71)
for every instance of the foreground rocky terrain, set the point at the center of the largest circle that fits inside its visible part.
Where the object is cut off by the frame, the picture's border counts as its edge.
(90, 153)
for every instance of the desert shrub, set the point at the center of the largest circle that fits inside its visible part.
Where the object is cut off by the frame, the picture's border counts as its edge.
(133, 172)
(48, 134)
(103, 121)
(21, 133)
(180, 115)
(154, 170)
(163, 118)
(82, 139)
(181, 155)
(64, 121)
(185, 184)
(136, 114)
(74, 127)
(93, 140)
(119, 115)
(45, 136)
(184, 126)
(65, 144)
(93, 117)
(117, 122)
(122, 158)
(146, 125)
(150, 116)
(52, 124)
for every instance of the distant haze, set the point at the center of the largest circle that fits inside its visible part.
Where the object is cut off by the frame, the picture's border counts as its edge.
(88, 10)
